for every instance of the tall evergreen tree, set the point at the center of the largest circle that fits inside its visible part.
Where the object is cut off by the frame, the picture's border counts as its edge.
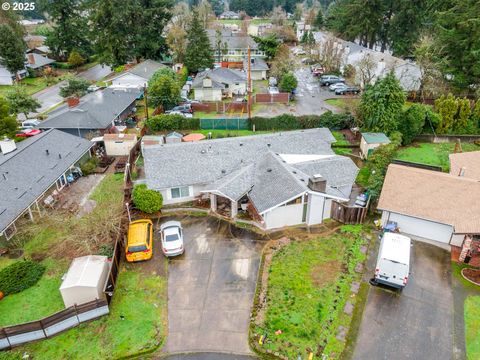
(130, 29)
(70, 30)
(319, 19)
(199, 54)
(12, 46)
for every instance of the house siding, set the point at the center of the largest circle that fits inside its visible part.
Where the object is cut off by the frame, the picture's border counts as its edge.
(287, 215)
(208, 94)
(193, 189)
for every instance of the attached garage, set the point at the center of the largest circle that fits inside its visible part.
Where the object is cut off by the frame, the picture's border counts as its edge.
(419, 227)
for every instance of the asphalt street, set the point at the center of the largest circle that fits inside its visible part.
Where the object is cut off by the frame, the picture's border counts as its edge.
(50, 96)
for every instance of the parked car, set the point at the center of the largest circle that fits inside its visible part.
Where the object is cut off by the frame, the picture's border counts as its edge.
(186, 100)
(336, 86)
(28, 124)
(347, 90)
(327, 80)
(171, 234)
(318, 71)
(273, 90)
(28, 132)
(185, 108)
(93, 88)
(139, 241)
(272, 81)
(393, 262)
(185, 115)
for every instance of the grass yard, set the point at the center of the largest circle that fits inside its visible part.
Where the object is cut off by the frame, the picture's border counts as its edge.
(472, 327)
(31, 85)
(55, 241)
(340, 140)
(347, 104)
(140, 299)
(308, 287)
(432, 154)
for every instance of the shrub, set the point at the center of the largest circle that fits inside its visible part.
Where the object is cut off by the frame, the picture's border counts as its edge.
(62, 65)
(290, 122)
(288, 83)
(119, 69)
(412, 122)
(20, 276)
(172, 122)
(146, 200)
(89, 166)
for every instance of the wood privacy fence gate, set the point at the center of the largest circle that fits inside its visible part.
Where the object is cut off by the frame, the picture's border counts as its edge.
(348, 214)
(15, 335)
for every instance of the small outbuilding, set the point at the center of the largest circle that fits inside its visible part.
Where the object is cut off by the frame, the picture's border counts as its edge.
(193, 137)
(370, 141)
(173, 137)
(119, 144)
(85, 280)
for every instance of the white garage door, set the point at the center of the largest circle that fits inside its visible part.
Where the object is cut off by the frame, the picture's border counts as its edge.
(422, 228)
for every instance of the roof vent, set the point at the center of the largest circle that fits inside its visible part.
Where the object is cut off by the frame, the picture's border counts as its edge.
(269, 144)
(241, 144)
(203, 151)
(269, 170)
(59, 156)
(47, 152)
(224, 171)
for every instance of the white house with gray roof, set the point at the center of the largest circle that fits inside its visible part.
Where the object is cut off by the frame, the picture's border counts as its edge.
(218, 83)
(137, 76)
(234, 46)
(280, 179)
(33, 170)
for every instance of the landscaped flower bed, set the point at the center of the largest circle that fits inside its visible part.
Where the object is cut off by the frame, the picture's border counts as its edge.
(472, 275)
(311, 295)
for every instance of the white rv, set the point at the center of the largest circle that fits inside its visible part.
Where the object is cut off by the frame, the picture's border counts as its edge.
(393, 263)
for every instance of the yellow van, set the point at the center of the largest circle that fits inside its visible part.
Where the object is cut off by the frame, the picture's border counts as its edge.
(139, 241)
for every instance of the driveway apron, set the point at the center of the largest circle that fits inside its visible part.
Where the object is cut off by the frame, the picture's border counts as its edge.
(211, 289)
(416, 323)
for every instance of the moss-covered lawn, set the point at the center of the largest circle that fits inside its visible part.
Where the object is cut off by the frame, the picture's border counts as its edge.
(432, 154)
(472, 327)
(308, 287)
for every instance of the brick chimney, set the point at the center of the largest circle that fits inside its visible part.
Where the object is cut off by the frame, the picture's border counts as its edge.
(317, 183)
(31, 59)
(73, 101)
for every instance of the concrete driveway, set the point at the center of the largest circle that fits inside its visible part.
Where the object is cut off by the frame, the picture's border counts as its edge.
(211, 288)
(416, 323)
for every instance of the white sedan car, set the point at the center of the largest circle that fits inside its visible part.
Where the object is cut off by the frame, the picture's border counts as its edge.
(171, 234)
(336, 86)
(184, 114)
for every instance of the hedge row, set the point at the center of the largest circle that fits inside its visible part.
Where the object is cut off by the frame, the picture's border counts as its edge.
(172, 122)
(282, 122)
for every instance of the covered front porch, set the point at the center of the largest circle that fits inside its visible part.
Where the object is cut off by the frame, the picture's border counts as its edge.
(241, 209)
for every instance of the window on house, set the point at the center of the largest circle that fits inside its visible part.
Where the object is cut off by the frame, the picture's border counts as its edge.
(180, 192)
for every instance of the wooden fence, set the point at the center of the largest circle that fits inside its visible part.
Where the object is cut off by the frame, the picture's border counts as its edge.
(52, 325)
(418, 165)
(447, 138)
(272, 98)
(348, 214)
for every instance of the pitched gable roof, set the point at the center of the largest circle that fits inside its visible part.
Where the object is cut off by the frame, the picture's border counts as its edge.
(95, 111)
(469, 161)
(146, 69)
(432, 195)
(219, 77)
(29, 170)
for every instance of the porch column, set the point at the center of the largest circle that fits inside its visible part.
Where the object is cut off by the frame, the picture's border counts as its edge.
(234, 211)
(213, 202)
(30, 214)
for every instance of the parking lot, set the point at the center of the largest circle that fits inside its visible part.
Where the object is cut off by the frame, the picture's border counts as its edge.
(211, 288)
(416, 323)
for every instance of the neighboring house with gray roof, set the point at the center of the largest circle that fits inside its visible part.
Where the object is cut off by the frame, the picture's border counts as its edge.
(213, 85)
(33, 171)
(137, 76)
(258, 68)
(281, 179)
(94, 114)
(37, 62)
(233, 46)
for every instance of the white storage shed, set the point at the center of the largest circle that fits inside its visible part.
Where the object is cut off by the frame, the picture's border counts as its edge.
(85, 280)
(119, 144)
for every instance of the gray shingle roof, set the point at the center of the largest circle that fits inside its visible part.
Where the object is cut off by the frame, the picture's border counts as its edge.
(146, 69)
(29, 171)
(233, 41)
(235, 184)
(202, 162)
(95, 111)
(219, 76)
(40, 61)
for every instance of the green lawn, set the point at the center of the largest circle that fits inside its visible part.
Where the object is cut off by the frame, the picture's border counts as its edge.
(432, 154)
(308, 287)
(344, 103)
(472, 327)
(32, 85)
(140, 298)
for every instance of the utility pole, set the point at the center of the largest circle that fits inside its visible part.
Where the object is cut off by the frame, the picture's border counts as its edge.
(146, 101)
(249, 85)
